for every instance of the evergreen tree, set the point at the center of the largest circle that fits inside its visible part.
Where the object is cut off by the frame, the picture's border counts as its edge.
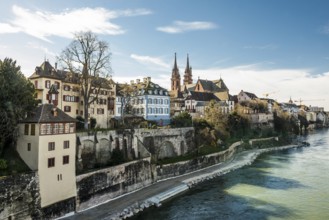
(16, 99)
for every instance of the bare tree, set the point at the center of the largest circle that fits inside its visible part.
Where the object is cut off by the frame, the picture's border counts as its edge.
(88, 58)
(125, 92)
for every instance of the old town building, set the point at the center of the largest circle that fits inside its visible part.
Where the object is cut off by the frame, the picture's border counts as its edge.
(64, 90)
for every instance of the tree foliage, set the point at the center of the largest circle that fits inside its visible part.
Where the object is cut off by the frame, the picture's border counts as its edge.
(217, 119)
(88, 58)
(16, 95)
(183, 119)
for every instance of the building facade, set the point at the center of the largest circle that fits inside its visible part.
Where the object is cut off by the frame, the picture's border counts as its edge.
(147, 100)
(47, 144)
(67, 96)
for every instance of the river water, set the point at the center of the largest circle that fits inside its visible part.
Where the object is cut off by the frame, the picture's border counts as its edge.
(289, 184)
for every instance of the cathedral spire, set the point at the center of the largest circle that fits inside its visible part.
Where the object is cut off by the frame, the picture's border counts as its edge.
(188, 73)
(175, 77)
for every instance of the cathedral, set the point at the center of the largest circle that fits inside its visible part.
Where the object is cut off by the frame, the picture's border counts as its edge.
(203, 87)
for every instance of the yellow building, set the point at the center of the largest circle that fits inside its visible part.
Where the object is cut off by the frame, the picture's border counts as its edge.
(47, 140)
(68, 94)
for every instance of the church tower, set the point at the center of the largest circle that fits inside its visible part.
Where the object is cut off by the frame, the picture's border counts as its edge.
(188, 73)
(175, 78)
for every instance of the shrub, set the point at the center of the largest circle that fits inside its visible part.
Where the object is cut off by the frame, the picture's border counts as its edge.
(3, 164)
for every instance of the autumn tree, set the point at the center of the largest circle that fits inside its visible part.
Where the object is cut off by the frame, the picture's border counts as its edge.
(88, 58)
(216, 118)
(17, 99)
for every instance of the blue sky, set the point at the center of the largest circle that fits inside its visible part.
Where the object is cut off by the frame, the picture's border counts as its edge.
(274, 46)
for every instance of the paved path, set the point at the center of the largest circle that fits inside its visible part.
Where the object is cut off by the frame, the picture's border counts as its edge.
(106, 210)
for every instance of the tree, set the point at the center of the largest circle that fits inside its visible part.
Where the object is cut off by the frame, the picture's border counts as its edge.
(216, 118)
(88, 58)
(125, 93)
(17, 99)
(183, 119)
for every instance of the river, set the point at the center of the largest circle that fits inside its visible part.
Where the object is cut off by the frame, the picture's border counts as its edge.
(289, 184)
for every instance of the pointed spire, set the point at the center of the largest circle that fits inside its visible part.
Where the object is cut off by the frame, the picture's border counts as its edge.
(188, 72)
(188, 63)
(175, 64)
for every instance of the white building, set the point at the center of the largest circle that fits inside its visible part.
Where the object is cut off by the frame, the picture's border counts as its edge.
(147, 100)
(46, 143)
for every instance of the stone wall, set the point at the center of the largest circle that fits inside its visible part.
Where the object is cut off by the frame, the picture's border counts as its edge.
(99, 186)
(172, 170)
(20, 199)
(95, 149)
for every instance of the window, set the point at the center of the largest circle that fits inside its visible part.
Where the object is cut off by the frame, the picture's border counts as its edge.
(43, 129)
(61, 128)
(100, 111)
(57, 84)
(67, 88)
(150, 110)
(28, 146)
(59, 177)
(77, 112)
(51, 146)
(161, 101)
(66, 144)
(51, 162)
(155, 101)
(67, 108)
(49, 129)
(26, 129)
(36, 84)
(55, 128)
(67, 128)
(32, 129)
(150, 101)
(72, 127)
(66, 159)
(47, 84)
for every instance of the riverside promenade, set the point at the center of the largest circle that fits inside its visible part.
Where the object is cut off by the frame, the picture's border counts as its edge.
(129, 204)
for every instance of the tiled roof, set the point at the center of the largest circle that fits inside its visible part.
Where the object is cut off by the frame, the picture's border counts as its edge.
(144, 87)
(213, 86)
(251, 95)
(48, 71)
(45, 113)
(202, 96)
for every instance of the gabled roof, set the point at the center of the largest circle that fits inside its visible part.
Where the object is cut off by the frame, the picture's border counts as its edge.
(48, 71)
(143, 87)
(202, 96)
(45, 114)
(250, 95)
(213, 86)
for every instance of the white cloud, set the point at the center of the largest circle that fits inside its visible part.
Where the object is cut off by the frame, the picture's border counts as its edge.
(146, 60)
(183, 26)
(42, 24)
(37, 46)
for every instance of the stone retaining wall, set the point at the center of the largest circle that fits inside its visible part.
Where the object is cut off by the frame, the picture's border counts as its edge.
(101, 185)
(180, 168)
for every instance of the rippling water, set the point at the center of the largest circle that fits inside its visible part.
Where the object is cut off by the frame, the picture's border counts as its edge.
(290, 184)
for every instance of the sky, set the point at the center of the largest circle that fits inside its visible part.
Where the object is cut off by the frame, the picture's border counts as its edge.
(278, 48)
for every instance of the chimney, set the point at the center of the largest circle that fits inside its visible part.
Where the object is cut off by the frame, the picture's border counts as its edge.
(138, 81)
(145, 80)
(132, 82)
(148, 79)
